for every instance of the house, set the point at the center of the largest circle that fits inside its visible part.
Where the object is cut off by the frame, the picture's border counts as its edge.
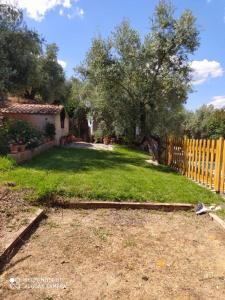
(38, 115)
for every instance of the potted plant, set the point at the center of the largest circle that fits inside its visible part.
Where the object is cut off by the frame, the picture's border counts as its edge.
(106, 140)
(21, 146)
(63, 140)
(50, 131)
(13, 148)
(113, 140)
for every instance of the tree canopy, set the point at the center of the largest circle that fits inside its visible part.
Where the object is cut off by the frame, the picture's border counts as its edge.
(205, 122)
(143, 84)
(25, 68)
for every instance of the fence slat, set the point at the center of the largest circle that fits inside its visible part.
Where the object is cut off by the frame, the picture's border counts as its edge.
(193, 160)
(203, 167)
(196, 160)
(223, 170)
(212, 154)
(219, 149)
(207, 162)
(200, 160)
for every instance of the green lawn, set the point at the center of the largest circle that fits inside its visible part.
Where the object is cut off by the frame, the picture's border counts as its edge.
(119, 175)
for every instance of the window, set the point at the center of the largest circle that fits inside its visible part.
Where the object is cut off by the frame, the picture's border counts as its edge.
(62, 118)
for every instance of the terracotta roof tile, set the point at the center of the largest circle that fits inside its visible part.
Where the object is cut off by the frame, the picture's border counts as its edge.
(42, 109)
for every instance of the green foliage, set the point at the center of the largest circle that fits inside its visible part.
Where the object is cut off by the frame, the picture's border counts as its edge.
(52, 86)
(217, 124)
(205, 122)
(24, 69)
(21, 132)
(35, 139)
(143, 84)
(20, 48)
(18, 131)
(7, 163)
(50, 130)
(4, 140)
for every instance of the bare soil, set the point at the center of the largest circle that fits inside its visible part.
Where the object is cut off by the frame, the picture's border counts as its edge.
(120, 254)
(93, 146)
(15, 212)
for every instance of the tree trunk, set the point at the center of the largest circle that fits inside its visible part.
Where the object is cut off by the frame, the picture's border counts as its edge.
(156, 148)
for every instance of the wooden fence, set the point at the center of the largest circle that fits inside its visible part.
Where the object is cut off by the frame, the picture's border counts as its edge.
(201, 160)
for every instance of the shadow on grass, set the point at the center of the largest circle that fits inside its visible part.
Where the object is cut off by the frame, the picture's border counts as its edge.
(79, 160)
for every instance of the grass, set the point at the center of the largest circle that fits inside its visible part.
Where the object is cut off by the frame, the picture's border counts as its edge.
(221, 214)
(119, 175)
(101, 233)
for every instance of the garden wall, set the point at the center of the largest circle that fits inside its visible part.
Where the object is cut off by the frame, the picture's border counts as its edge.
(24, 156)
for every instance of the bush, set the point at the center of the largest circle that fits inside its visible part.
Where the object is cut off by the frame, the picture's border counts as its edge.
(50, 130)
(21, 132)
(36, 139)
(4, 141)
(6, 163)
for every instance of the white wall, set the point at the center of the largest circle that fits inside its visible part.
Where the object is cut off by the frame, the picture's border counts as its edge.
(61, 131)
(40, 121)
(37, 121)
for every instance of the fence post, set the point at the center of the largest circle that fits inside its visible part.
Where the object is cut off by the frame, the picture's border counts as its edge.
(171, 152)
(219, 152)
(185, 155)
(222, 170)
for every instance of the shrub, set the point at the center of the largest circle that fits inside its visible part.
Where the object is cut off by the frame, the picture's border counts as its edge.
(36, 139)
(3, 140)
(50, 130)
(6, 163)
(21, 132)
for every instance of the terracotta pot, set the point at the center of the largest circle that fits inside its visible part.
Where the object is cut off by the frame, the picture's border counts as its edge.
(22, 148)
(113, 140)
(73, 138)
(69, 138)
(13, 148)
(62, 141)
(106, 140)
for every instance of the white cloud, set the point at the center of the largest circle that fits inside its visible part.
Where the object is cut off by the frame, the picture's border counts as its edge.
(62, 63)
(38, 8)
(204, 69)
(78, 12)
(61, 12)
(218, 101)
(67, 3)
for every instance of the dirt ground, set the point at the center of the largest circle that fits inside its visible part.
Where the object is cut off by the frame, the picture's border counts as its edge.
(15, 212)
(119, 254)
(84, 145)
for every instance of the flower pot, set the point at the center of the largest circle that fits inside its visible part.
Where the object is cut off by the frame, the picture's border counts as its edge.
(113, 140)
(69, 139)
(22, 148)
(106, 140)
(62, 141)
(13, 148)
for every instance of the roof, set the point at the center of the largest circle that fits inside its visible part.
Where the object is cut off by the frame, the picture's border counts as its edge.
(40, 109)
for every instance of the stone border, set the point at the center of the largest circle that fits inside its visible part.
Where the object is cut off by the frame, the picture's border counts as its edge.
(20, 236)
(27, 155)
(125, 205)
(217, 219)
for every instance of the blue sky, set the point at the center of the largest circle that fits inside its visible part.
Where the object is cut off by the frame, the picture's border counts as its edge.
(73, 23)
